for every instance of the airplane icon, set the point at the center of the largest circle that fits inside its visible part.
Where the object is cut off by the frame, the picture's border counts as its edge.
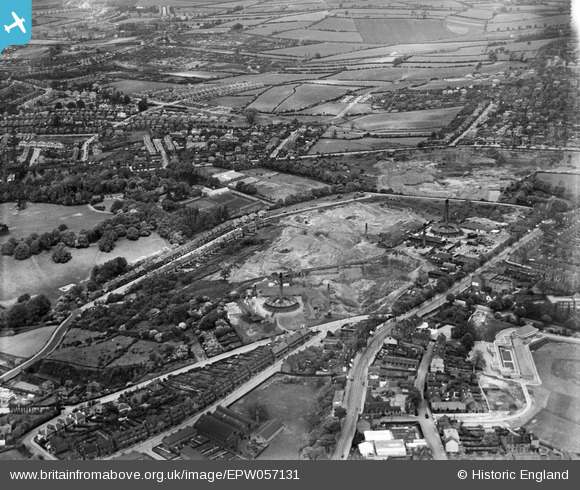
(17, 23)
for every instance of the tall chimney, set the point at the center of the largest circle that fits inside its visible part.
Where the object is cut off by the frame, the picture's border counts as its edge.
(366, 230)
(281, 279)
(424, 235)
(446, 217)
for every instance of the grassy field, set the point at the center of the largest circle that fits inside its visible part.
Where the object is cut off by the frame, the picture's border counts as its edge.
(26, 344)
(289, 403)
(272, 29)
(40, 275)
(558, 423)
(40, 218)
(401, 121)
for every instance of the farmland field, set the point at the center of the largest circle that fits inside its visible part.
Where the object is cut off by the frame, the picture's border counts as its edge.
(337, 24)
(270, 29)
(40, 218)
(558, 422)
(314, 35)
(288, 402)
(269, 100)
(392, 31)
(402, 121)
(307, 95)
(323, 49)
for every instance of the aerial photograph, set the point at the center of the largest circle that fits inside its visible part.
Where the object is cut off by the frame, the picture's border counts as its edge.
(290, 230)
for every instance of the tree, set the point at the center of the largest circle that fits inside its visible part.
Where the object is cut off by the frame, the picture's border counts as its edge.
(547, 319)
(226, 272)
(467, 341)
(38, 307)
(8, 248)
(520, 311)
(450, 298)
(413, 400)
(60, 254)
(478, 360)
(35, 247)
(132, 233)
(327, 441)
(106, 243)
(340, 412)
(22, 251)
(237, 27)
(142, 105)
(250, 115)
(17, 316)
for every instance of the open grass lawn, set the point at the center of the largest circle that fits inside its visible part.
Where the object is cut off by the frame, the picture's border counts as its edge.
(12, 455)
(40, 218)
(559, 421)
(288, 402)
(40, 275)
(337, 24)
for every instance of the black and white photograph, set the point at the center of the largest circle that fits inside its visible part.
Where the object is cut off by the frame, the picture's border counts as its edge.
(264, 230)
